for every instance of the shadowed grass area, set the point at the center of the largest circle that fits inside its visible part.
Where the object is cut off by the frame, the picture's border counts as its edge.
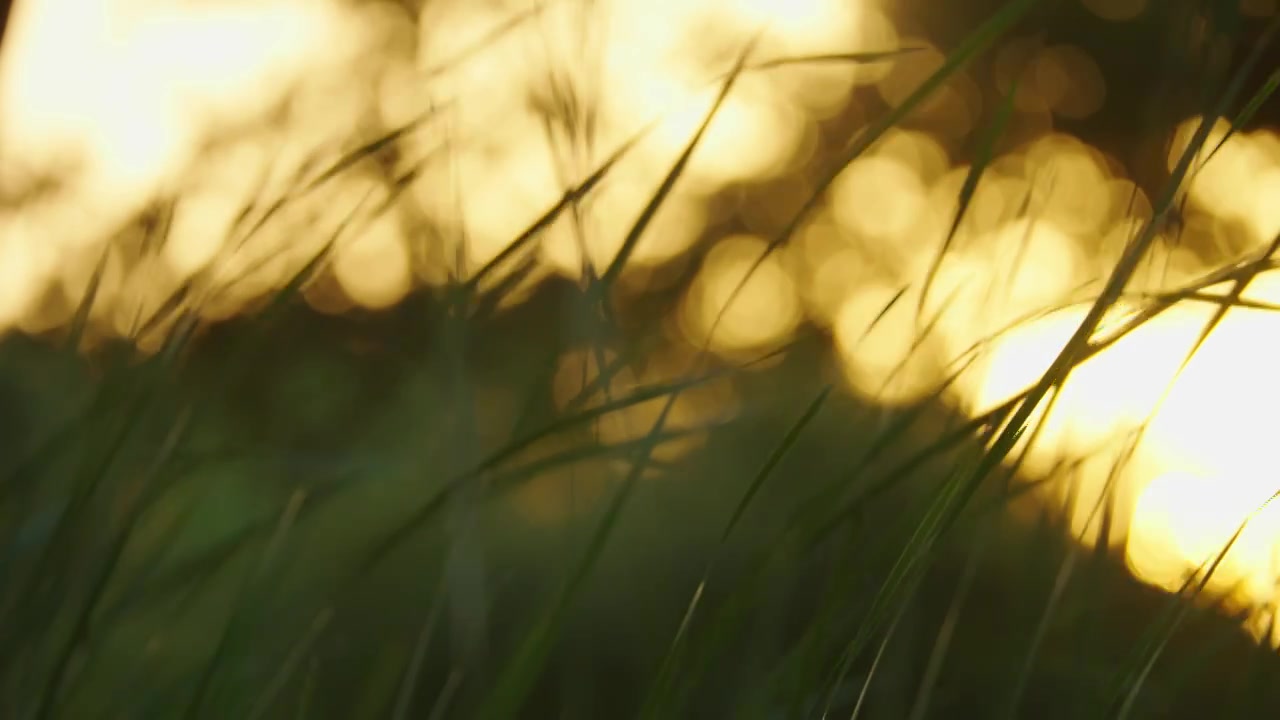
(393, 515)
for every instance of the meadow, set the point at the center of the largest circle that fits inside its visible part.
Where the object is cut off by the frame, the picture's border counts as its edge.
(599, 358)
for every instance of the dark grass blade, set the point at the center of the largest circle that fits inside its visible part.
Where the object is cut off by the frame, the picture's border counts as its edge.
(1255, 103)
(854, 58)
(36, 598)
(413, 671)
(942, 644)
(1141, 664)
(1061, 579)
(268, 697)
(973, 45)
(105, 573)
(567, 201)
(669, 661)
(916, 343)
(775, 458)
(625, 402)
(514, 683)
(900, 582)
(875, 663)
(1253, 681)
(641, 223)
(79, 323)
(253, 585)
(298, 281)
(982, 158)
(1134, 673)
(342, 164)
(432, 506)
(486, 306)
(1074, 351)
(576, 194)
(483, 42)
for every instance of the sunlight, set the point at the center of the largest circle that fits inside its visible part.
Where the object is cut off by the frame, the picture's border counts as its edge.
(222, 110)
(766, 312)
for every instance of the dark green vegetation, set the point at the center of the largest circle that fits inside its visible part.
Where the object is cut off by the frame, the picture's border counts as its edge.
(293, 515)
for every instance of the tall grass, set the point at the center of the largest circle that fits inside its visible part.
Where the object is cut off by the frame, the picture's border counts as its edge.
(813, 559)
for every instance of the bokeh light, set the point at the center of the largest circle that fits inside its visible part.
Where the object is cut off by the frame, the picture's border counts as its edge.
(223, 110)
(766, 311)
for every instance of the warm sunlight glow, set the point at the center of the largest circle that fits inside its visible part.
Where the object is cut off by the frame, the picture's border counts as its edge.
(764, 313)
(1183, 523)
(373, 268)
(883, 357)
(218, 121)
(878, 198)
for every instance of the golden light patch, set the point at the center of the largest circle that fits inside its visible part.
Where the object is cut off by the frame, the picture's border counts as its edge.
(373, 268)
(877, 197)
(764, 313)
(1069, 80)
(1183, 522)
(577, 383)
(607, 219)
(883, 354)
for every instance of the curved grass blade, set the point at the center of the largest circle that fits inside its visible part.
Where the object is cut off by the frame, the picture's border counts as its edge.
(269, 694)
(1131, 678)
(641, 224)
(982, 158)
(668, 665)
(81, 319)
(519, 676)
(856, 58)
(976, 43)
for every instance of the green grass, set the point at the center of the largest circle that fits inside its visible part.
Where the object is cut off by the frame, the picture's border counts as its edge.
(259, 521)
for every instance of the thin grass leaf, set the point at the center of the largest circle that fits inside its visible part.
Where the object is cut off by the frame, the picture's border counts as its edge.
(39, 597)
(776, 457)
(451, 685)
(942, 644)
(1060, 581)
(1073, 352)
(413, 671)
(908, 569)
(89, 607)
(875, 664)
(306, 694)
(262, 705)
(567, 200)
(486, 40)
(1135, 673)
(973, 45)
(518, 677)
(855, 58)
(632, 399)
(297, 282)
(982, 158)
(1250, 109)
(641, 223)
(80, 321)
(486, 306)
(253, 584)
(668, 664)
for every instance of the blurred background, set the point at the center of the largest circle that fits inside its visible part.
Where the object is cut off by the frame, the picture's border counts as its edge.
(168, 169)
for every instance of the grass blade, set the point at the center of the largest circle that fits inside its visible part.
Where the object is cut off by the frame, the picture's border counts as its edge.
(667, 667)
(620, 260)
(518, 677)
(973, 45)
(983, 156)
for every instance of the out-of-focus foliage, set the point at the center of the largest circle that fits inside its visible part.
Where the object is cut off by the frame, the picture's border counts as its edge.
(456, 344)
